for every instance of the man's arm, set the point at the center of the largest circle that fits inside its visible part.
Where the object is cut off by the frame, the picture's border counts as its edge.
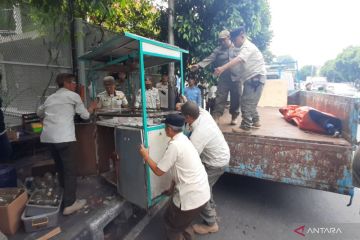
(206, 61)
(198, 141)
(233, 62)
(170, 191)
(158, 105)
(80, 108)
(125, 102)
(41, 111)
(138, 99)
(241, 58)
(145, 155)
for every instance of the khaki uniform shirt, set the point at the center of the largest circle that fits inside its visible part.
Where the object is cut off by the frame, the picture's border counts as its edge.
(115, 101)
(253, 65)
(152, 98)
(164, 94)
(218, 57)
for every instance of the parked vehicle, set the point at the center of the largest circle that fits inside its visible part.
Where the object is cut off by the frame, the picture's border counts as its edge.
(281, 152)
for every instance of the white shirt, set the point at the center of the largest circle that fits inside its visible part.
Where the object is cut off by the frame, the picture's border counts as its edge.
(163, 92)
(209, 141)
(58, 112)
(113, 101)
(212, 92)
(191, 181)
(152, 98)
(253, 64)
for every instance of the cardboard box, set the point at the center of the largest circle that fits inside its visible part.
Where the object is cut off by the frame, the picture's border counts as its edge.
(10, 215)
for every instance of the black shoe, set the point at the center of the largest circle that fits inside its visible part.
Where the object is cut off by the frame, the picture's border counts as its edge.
(242, 129)
(245, 128)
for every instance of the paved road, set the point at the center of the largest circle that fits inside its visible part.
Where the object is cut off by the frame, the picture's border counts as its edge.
(250, 208)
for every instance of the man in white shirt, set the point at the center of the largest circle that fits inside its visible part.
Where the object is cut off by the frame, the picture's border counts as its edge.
(152, 96)
(190, 182)
(163, 87)
(111, 98)
(214, 153)
(58, 113)
(248, 67)
(211, 96)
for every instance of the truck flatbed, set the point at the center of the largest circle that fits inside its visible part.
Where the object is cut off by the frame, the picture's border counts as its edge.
(274, 126)
(281, 152)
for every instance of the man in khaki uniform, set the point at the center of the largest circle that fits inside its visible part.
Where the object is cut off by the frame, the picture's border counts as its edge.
(111, 98)
(152, 96)
(219, 57)
(163, 87)
(247, 67)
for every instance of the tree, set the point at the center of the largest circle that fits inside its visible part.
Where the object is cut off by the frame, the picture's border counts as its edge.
(268, 56)
(307, 71)
(137, 16)
(346, 66)
(330, 72)
(287, 61)
(198, 23)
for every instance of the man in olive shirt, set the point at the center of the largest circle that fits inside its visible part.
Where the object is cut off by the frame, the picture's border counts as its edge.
(219, 57)
(247, 67)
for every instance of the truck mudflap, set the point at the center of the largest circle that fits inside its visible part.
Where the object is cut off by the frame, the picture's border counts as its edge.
(317, 165)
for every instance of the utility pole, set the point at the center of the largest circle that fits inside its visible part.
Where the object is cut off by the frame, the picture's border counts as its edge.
(71, 22)
(172, 85)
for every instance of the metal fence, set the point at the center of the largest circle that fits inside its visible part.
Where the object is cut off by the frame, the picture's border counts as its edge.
(30, 60)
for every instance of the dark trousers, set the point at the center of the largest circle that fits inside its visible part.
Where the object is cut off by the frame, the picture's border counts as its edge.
(210, 105)
(176, 221)
(5, 148)
(63, 155)
(208, 213)
(250, 98)
(226, 85)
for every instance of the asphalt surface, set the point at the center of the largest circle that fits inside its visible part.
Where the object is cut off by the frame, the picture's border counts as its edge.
(250, 208)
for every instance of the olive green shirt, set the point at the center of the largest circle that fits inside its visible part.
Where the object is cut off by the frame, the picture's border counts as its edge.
(219, 57)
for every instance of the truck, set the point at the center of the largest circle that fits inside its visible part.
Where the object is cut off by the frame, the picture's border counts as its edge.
(281, 152)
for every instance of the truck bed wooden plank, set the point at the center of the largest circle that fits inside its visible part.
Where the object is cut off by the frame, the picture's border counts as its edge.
(281, 152)
(274, 126)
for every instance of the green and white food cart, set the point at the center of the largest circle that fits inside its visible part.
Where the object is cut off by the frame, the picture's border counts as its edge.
(127, 129)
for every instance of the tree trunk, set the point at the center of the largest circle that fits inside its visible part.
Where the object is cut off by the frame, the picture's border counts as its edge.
(172, 84)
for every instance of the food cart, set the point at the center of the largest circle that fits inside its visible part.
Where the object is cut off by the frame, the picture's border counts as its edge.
(125, 129)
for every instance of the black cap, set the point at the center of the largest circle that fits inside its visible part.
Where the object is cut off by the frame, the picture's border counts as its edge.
(236, 32)
(175, 120)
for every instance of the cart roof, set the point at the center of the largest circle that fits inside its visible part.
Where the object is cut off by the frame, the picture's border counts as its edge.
(112, 53)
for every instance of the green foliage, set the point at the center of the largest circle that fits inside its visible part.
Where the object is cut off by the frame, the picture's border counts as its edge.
(198, 22)
(137, 16)
(345, 68)
(286, 60)
(307, 71)
(268, 56)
